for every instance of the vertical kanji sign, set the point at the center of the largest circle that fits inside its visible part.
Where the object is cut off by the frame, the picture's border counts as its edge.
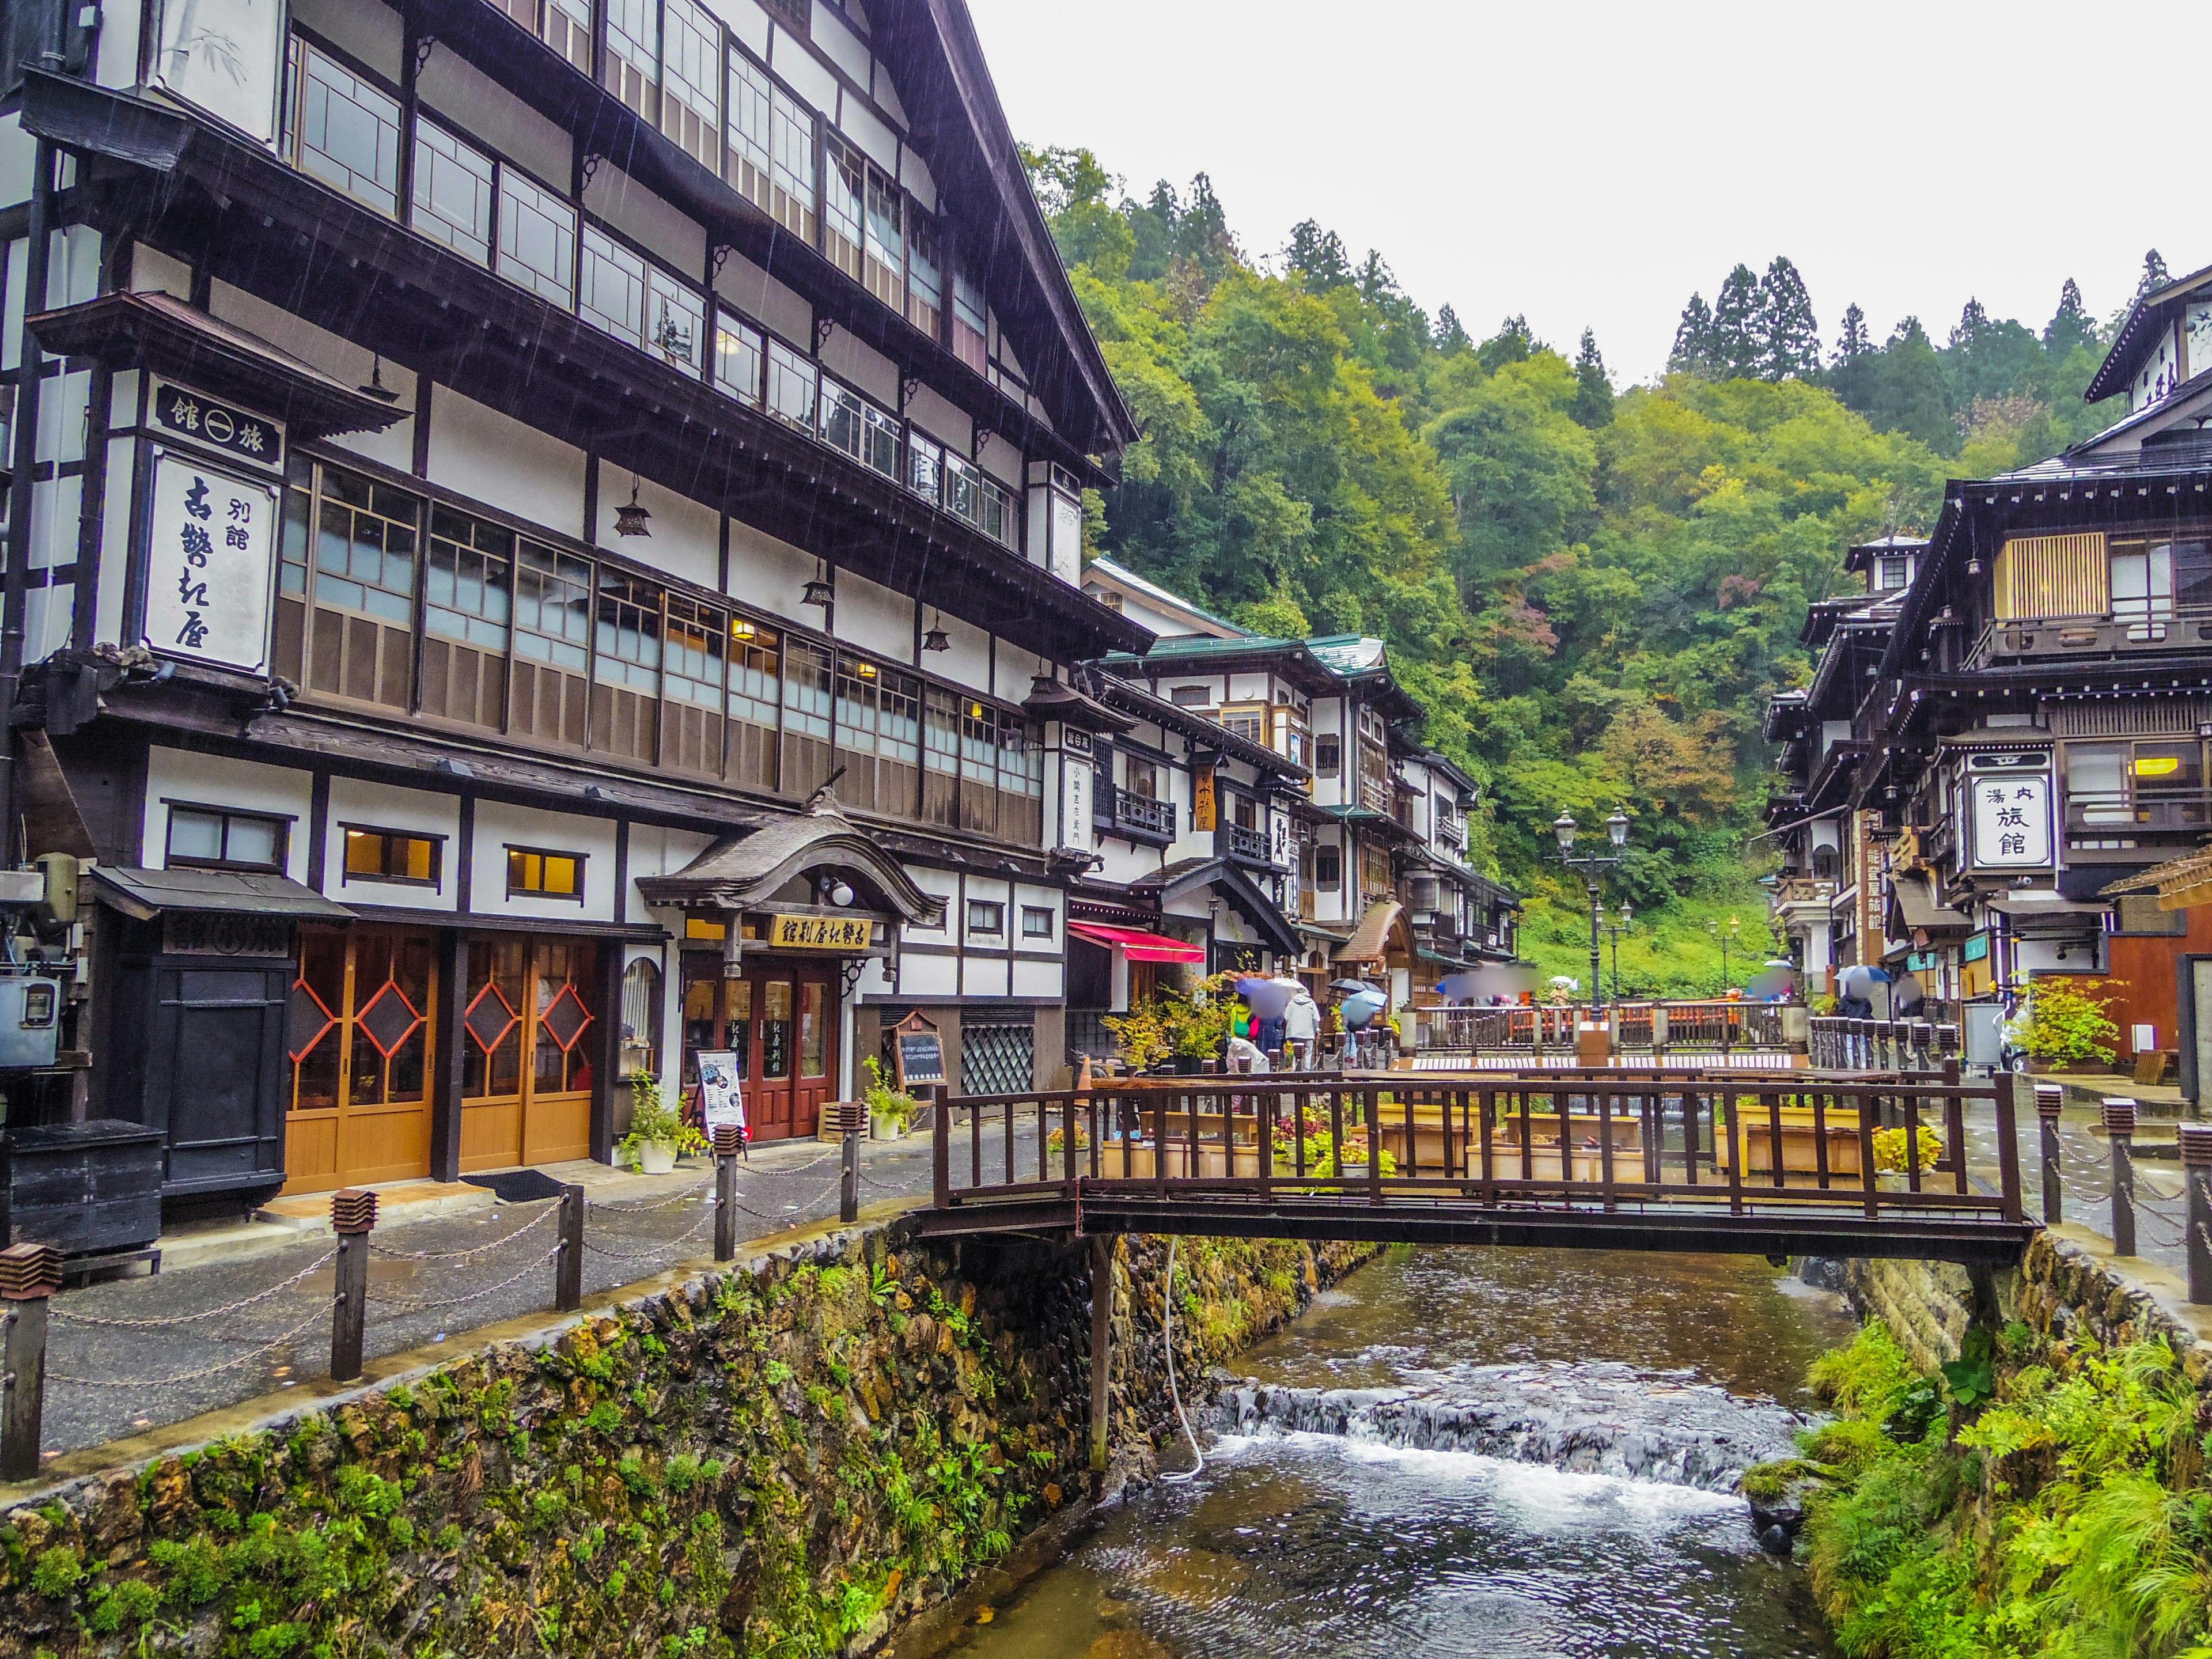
(2012, 820)
(209, 563)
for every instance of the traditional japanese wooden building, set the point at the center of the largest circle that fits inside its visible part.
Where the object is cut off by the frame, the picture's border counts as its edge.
(2008, 738)
(545, 542)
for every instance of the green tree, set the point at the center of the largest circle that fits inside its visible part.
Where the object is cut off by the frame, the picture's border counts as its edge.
(1789, 338)
(2070, 326)
(1693, 339)
(1592, 403)
(1734, 345)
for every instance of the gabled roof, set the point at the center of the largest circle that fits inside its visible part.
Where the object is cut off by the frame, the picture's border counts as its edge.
(1121, 575)
(936, 58)
(2140, 330)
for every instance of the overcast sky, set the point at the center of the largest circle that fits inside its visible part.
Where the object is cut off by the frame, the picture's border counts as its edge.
(1593, 164)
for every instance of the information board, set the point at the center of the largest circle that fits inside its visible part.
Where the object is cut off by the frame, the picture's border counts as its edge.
(919, 1050)
(720, 1098)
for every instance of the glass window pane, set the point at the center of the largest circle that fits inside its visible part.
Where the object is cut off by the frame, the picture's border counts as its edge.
(738, 359)
(793, 198)
(536, 239)
(611, 286)
(452, 192)
(195, 834)
(251, 840)
(348, 133)
(677, 317)
(792, 386)
(746, 124)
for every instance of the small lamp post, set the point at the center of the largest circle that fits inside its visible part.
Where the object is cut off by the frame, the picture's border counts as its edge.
(1591, 867)
(1614, 930)
(1727, 936)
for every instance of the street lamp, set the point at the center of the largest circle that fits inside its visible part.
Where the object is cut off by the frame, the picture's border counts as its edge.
(1614, 930)
(1726, 936)
(1591, 867)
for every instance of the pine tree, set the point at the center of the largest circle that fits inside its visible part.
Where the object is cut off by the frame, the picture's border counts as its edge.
(1512, 343)
(1973, 324)
(1451, 336)
(1735, 345)
(1852, 343)
(1592, 403)
(1693, 340)
(1317, 258)
(1789, 338)
(2153, 274)
(2070, 326)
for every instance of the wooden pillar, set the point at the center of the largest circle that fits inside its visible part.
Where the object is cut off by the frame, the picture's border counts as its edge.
(451, 1040)
(1101, 1337)
(606, 1049)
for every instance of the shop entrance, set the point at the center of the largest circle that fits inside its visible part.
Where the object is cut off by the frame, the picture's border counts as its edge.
(526, 1067)
(359, 1040)
(779, 1019)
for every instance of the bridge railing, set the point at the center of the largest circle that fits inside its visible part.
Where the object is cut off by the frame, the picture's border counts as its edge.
(1654, 1028)
(1739, 1141)
(1850, 1045)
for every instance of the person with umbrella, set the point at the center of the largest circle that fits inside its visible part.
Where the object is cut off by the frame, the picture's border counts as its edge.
(1361, 1010)
(1268, 999)
(1300, 1025)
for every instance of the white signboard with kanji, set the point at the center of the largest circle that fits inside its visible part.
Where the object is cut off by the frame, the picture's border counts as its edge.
(209, 564)
(2012, 820)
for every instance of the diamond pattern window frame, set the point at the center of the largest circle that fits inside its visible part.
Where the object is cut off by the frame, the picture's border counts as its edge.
(371, 1025)
(548, 1022)
(470, 1020)
(997, 1056)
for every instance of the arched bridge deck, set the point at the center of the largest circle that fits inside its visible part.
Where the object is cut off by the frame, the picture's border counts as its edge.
(1779, 1163)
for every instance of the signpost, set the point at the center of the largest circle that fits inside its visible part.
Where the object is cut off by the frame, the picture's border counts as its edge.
(721, 1098)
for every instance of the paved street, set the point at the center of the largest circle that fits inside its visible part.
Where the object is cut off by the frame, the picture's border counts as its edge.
(137, 1353)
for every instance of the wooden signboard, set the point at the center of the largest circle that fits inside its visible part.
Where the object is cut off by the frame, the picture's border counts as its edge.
(1202, 810)
(821, 932)
(920, 1052)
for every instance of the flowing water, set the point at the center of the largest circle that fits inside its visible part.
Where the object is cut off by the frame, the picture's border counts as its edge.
(1470, 1452)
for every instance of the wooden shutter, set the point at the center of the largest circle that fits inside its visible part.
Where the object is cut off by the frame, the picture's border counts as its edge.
(2045, 576)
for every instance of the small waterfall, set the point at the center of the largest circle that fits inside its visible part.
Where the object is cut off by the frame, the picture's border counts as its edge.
(1589, 1419)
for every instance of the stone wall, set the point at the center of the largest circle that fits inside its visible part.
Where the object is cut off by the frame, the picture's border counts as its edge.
(791, 1457)
(2069, 1284)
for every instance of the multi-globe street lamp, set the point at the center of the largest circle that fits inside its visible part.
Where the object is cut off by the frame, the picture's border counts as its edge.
(1591, 867)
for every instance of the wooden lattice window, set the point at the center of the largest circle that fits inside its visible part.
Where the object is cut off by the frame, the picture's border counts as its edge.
(2044, 576)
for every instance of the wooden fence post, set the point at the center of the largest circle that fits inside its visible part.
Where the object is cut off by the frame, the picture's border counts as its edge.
(729, 1140)
(568, 1266)
(353, 1217)
(2120, 1130)
(29, 1275)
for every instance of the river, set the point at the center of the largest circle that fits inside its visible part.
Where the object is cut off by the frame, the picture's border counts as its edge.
(1515, 1454)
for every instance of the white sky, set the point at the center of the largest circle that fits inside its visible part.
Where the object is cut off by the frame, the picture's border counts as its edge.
(1594, 163)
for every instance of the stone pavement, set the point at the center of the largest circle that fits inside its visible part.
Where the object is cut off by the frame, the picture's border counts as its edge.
(130, 1356)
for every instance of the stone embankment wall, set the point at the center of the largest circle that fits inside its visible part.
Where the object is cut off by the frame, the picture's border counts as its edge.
(793, 1458)
(2069, 1283)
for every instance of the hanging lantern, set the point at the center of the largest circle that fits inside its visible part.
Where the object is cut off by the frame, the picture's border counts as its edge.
(937, 639)
(631, 520)
(819, 590)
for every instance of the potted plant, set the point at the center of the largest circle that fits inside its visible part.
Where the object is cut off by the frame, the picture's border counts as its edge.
(2066, 1028)
(1142, 1034)
(890, 1109)
(655, 1127)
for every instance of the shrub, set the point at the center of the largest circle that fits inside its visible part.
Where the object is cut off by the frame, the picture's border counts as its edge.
(2066, 1023)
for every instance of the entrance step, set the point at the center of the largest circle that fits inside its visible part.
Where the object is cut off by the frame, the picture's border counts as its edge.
(396, 1203)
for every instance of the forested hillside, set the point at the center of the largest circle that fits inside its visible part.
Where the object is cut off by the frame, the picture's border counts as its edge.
(1594, 591)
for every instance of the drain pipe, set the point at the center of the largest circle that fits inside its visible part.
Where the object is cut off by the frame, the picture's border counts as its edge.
(1167, 1330)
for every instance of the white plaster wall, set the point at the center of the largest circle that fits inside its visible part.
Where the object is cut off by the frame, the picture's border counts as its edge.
(153, 272)
(766, 300)
(983, 889)
(766, 575)
(856, 363)
(650, 221)
(47, 615)
(809, 77)
(1014, 668)
(985, 976)
(380, 806)
(914, 171)
(115, 539)
(395, 446)
(686, 538)
(485, 454)
(54, 506)
(747, 21)
(875, 981)
(117, 62)
(481, 108)
(62, 405)
(1212, 687)
(929, 976)
(937, 883)
(500, 825)
(875, 619)
(870, 131)
(657, 851)
(370, 32)
(1125, 863)
(934, 414)
(1247, 687)
(837, 42)
(18, 157)
(1003, 462)
(968, 661)
(196, 779)
(1158, 618)
(1038, 979)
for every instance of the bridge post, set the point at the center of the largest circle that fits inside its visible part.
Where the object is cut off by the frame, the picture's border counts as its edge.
(1102, 1337)
(2011, 1098)
(2050, 1101)
(2196, 1171)
(2120, 1129)
(940, 1156)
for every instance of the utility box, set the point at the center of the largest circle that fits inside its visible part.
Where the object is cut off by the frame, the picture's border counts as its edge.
(1594, 1042)
(30, 1020)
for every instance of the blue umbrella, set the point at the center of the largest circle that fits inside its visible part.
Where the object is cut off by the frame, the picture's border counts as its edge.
(1460, 987)
(1360, 1011)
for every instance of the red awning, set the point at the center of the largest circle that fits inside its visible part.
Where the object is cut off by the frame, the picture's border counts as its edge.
(1140, 945)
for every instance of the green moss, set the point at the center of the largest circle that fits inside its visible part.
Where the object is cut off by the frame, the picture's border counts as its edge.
(59, 1572)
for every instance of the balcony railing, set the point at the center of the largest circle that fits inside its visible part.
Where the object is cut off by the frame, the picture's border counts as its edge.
(1137, 818)
(2176, 811)
(2177, 628)
(1244, 842)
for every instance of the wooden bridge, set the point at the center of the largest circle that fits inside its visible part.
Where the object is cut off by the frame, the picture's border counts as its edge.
(1778, 1164)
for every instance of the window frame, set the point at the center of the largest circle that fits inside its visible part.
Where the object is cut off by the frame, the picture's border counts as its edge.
(348, 875)
(1328, 754)
(1044, 913)
(995, 928)
(581, 860)
(282, 822)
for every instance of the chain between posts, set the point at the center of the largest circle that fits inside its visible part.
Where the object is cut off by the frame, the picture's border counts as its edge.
(188, 1377)
(418, 1305)
(70, 1317)
(500, 1243)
